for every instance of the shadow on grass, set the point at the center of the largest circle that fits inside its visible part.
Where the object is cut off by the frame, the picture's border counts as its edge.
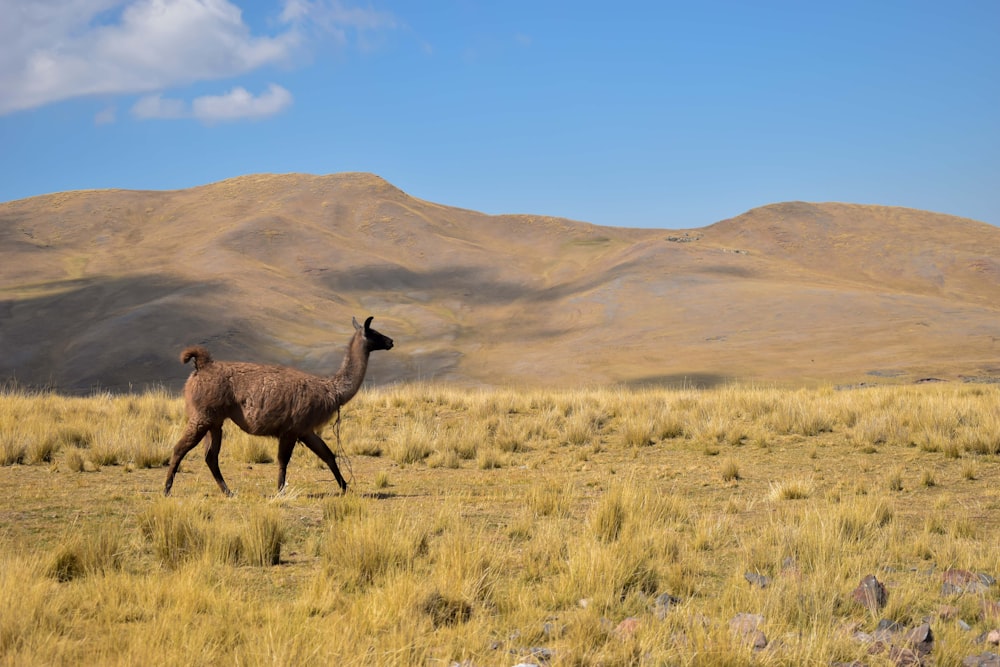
(377, 495)
(680, 381)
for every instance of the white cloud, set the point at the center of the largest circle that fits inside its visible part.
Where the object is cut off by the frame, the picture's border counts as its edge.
(238, 103)
(234, 105)
(155, 106)
(60, 49)
(106, 116)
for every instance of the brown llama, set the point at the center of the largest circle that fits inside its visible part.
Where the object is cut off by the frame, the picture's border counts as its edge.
(269, 400)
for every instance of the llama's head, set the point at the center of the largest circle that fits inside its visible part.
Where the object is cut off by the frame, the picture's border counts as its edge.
(373, 339)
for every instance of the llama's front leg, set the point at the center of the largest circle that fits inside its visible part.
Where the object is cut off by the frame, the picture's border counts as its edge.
(192, 436)
(212, 458)
(319, 448)
(286, 443)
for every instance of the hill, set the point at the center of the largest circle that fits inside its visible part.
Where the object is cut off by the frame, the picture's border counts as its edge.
(103, 289)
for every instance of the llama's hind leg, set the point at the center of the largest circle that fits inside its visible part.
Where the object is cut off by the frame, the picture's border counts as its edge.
(319, 448)
(192, 436)
(212, 458)
(286, 443)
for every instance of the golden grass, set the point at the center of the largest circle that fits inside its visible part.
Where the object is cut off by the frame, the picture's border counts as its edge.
(500, 526)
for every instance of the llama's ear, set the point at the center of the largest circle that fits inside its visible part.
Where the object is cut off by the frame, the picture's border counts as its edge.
(368, 323)
(354, 320)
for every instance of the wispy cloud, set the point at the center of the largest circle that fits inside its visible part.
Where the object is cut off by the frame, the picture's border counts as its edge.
(234, 105)
(155, 106)
(106, 116)
(61, 49)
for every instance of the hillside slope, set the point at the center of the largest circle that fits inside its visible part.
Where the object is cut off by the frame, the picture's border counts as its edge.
(103, 288)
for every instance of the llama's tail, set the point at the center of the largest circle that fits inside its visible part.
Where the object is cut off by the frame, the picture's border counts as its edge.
(200, 355)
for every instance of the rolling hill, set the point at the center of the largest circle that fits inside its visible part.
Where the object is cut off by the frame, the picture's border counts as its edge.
(101, 289)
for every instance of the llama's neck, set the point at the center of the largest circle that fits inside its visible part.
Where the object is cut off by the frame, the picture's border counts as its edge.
(347, 381)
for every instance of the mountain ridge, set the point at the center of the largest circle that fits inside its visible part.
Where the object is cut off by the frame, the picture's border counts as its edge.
(102, 288)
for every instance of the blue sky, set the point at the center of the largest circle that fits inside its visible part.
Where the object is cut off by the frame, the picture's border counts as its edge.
(652, 114)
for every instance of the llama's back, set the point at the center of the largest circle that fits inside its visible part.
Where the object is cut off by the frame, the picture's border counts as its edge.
(270, 400)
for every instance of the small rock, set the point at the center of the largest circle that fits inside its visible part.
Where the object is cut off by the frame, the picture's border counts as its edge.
(876, 648)
(745, 622)
(886, 631)
(790, 569)
(539, 653)
(904, 657)
(993, 637)
(746, 626)
(983, 660)
(862, 637)
(963, 581)
(947, 612)
(905, 646)
(951, 589)
(551, 630)
(870, 593)
(756, 579)
(921, 639)
(957, 576)
(627, 628)
(663, 603)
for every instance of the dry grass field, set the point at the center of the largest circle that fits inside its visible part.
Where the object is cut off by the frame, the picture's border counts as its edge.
(496, 527)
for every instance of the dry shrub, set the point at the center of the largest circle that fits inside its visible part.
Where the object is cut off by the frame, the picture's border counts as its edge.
(444, 610)
(859, 519)
(578, 430)
(74, 460)
(262, 537)
(791, 489)
(608, 574)
(608, 518)
(176, 531)
(149, 455)
(412, 441)
(359, 550)
(550, 500)
(338, 508)
(492, 459)
(248, 448)
(637, 431)
(730, 470)
(93, 551)
(42, 449)
(13, 446)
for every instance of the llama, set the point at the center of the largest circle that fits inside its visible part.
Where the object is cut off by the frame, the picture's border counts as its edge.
(269, 400)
